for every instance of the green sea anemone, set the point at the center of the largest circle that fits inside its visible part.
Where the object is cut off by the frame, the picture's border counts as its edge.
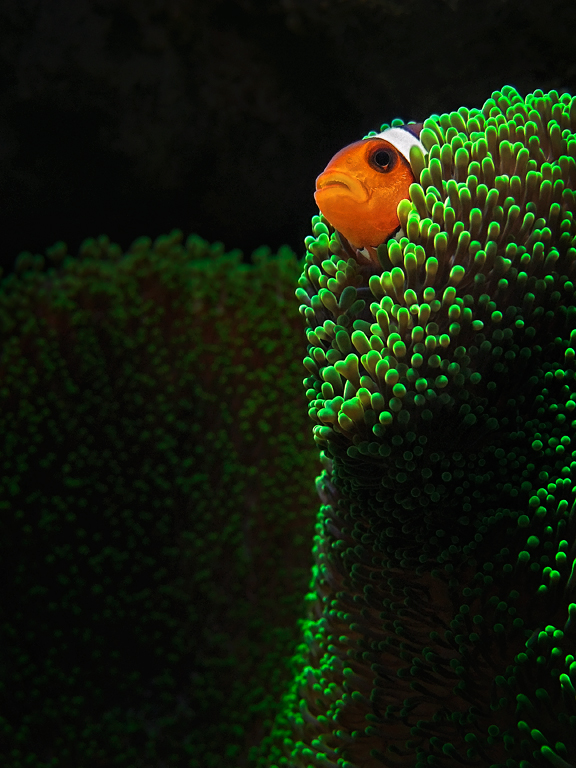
(156, 490)
(440, 627)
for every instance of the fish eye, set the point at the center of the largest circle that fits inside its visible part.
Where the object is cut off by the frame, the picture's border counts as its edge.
(382, 160)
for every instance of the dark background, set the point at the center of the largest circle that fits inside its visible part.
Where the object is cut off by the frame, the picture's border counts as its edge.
(132, 117)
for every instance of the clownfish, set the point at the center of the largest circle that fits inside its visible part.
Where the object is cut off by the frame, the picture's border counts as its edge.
(361, 186)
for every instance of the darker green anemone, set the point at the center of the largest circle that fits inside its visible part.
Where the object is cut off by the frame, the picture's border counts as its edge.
(156, 499)
(441, 628)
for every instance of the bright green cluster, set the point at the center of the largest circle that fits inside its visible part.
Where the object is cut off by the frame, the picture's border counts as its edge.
(155, 488)
(441, 386)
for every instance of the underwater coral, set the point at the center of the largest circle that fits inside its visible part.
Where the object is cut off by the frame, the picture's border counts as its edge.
(157, 502)
(440, 624)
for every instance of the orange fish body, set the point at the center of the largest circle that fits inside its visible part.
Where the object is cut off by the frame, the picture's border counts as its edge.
(361, 187)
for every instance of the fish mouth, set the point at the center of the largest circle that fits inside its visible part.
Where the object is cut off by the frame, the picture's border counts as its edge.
(338, 182)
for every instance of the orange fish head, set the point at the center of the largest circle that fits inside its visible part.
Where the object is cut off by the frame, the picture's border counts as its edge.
(360, 189)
